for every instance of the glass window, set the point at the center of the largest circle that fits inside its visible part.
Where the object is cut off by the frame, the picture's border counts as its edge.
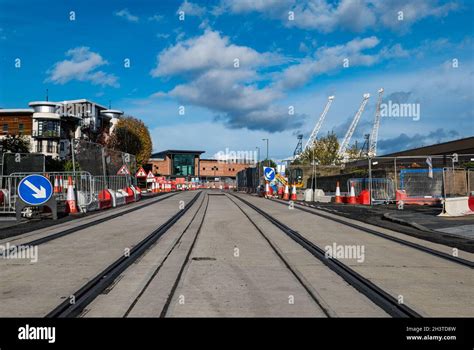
(49, 146)
(48, 128)
(5, 128)
(21, 128)
(39, 146)
(183, 164)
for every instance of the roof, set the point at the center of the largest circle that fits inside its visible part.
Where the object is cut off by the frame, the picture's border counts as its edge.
(174, 151)
(83, 100)
(16, 110)
(465, 145)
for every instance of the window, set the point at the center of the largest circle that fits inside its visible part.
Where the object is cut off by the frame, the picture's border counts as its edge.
(21, 128)
(48, 128)
(49, 146)
(5, 128)
(61, 147)
(183, 164)
(39, 146)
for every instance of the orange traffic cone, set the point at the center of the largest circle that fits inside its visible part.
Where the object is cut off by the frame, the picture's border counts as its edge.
(337, 198)
(352, 197)
(71, 198)
(286, 195)
(293, 193)
(56, 185)
(267, 190)
(280, 192)
(61, 184)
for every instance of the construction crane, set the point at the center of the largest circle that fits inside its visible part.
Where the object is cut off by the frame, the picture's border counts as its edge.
(350, 131)
(318, 125)
(375, 129)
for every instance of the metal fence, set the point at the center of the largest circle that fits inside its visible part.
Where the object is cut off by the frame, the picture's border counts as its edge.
(115, 183)
(86, 187)
(383, 190)
(22, 162)
(470, 181)
(455, 182)
(420, 177)
(421, 182)
(100, 160)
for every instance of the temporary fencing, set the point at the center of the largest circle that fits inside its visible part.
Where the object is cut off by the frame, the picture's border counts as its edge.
(90, 192)
(383, 189)
(100, 160)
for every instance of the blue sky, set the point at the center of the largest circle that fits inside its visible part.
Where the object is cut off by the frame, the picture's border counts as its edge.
(282, 63)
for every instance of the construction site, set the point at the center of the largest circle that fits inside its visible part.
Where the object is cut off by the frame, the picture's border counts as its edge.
(237, 159)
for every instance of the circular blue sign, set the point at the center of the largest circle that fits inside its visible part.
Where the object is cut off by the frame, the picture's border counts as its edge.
(269, 173)
(35, 189)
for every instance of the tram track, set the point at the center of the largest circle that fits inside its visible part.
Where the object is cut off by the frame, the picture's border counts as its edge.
(376, 294)
(434, 252)
(88, 292)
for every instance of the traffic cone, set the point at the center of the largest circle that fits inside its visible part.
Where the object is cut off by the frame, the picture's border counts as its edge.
(71, 198)
(352, 197)
(286, 195)
(280, 192)
(267, 189)
(56, 185)
(293, 193)
(61, 183)
(337, 198)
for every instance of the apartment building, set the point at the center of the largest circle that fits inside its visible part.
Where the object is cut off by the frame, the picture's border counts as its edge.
(50, 126)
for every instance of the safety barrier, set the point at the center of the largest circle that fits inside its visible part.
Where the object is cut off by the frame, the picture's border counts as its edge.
(383, 190)
(457, 206)
(90, 192)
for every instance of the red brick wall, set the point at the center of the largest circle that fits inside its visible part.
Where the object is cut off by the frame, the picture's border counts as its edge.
(223, 169)
(161, 167)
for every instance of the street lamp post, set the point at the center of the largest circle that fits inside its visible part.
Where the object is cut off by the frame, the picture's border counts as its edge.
(267, 151)
(258, 165)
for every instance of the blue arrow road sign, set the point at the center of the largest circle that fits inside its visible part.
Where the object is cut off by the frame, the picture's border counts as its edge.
(269, 173)
(35, 189)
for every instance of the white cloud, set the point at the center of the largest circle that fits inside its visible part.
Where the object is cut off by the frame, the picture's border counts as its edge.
(354, 15)
(81, 66)
(191, 9)
(212, 81)
(162, 36)
(327, 59)
(156, 18)
(125, 13)
(207, 51)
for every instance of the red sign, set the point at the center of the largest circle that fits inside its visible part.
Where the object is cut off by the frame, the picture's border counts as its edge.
(141, 173)
(123, 170)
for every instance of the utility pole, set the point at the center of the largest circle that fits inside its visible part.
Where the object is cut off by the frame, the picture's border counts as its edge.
(267, 152)
(257, 163)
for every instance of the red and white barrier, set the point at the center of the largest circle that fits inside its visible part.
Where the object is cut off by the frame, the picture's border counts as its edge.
(458, 206)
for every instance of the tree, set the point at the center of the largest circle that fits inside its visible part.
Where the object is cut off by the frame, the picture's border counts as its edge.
(325, 151)
(15, 144)
(131, 135)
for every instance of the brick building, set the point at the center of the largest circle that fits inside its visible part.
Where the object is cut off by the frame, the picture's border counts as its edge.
(188, 164)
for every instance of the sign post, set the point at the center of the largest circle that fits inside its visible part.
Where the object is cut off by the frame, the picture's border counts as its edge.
(35, 191)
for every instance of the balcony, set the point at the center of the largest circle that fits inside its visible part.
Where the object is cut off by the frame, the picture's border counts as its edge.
(46, 134)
